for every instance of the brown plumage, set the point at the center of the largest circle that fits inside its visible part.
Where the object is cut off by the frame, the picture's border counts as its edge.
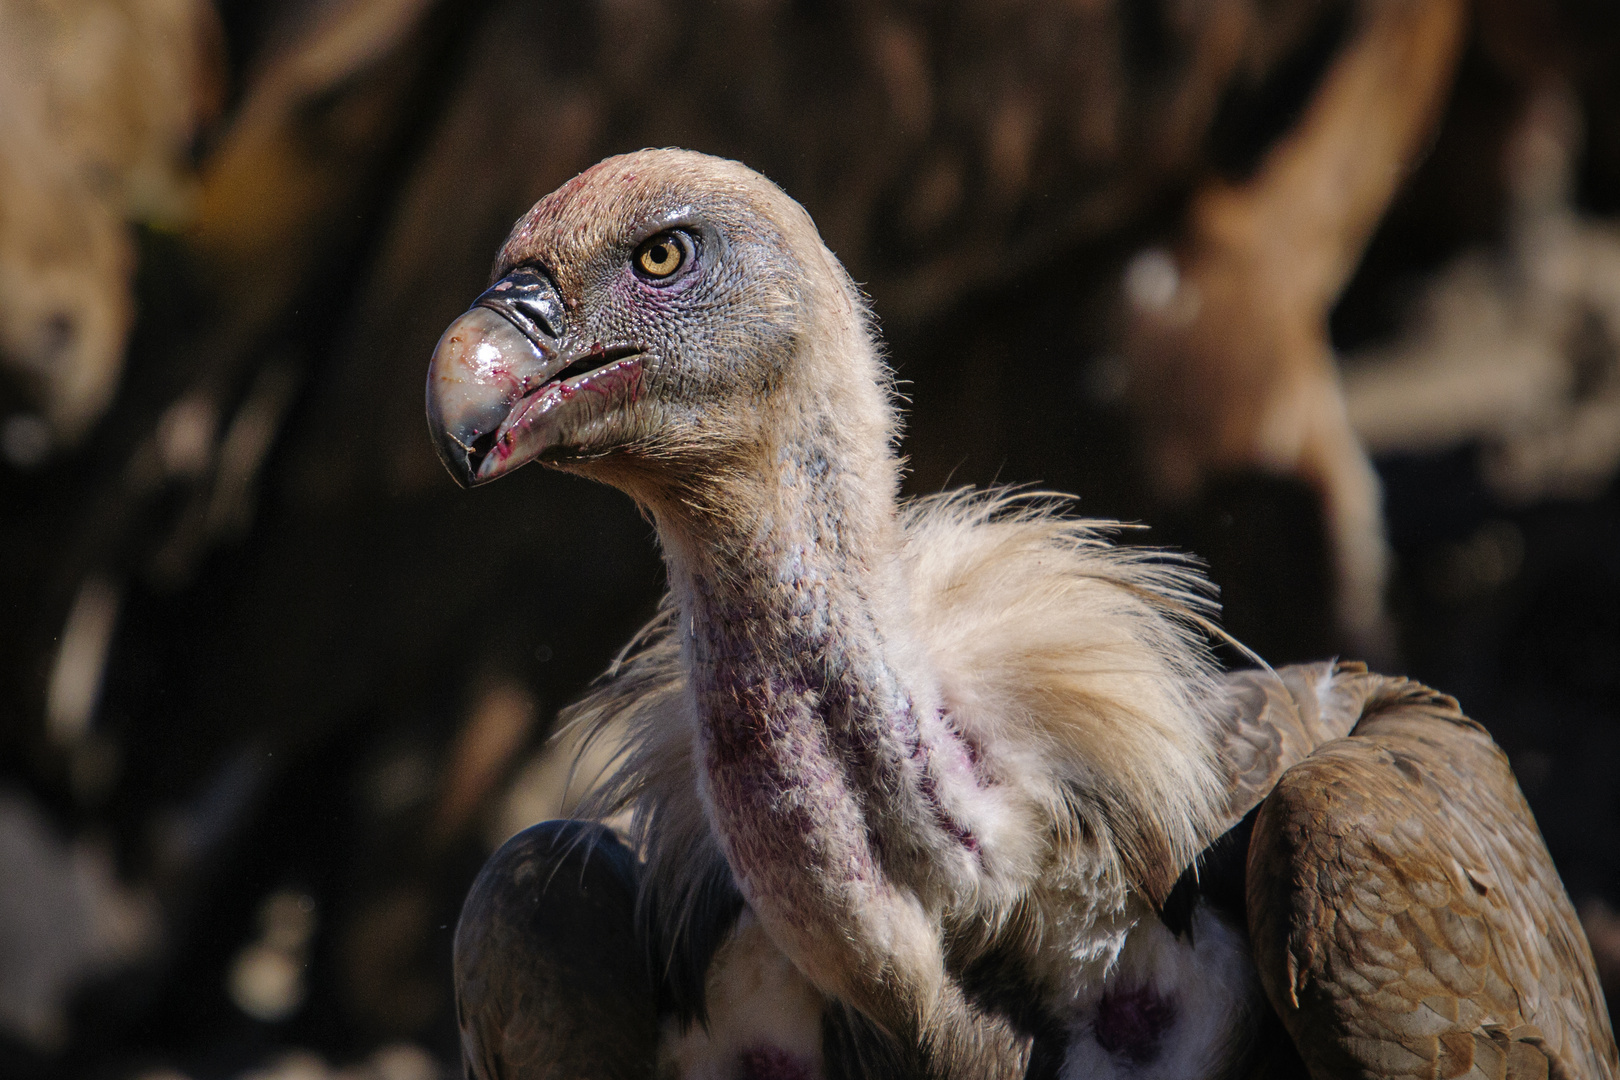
(920, 789)
(1406, 917)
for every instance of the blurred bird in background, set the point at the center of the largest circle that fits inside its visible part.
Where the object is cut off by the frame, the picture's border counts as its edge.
(239, 681)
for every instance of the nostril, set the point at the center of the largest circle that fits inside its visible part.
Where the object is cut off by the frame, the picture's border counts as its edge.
(529, 299)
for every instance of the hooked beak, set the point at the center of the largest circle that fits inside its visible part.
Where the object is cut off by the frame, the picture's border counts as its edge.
(502, 348)
(503, 374)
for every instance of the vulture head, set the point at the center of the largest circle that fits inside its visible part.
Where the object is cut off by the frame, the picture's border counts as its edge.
(652, 324)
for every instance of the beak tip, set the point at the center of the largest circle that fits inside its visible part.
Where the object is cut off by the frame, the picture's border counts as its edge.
(460, 471)
(456, 457)
(463, 478)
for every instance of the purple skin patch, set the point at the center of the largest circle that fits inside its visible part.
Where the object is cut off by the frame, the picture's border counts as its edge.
(1131, 1023)
(820, 769)
(786, 751)
(782, 799)
(771, 1063)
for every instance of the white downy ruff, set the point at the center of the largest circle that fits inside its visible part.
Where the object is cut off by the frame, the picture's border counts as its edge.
(1077, 669)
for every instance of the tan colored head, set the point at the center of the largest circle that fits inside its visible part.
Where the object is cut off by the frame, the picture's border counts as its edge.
(654, 317)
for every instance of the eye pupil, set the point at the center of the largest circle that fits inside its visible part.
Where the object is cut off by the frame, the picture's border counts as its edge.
(661, 257)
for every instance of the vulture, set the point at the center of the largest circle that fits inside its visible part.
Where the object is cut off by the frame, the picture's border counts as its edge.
(949, 787)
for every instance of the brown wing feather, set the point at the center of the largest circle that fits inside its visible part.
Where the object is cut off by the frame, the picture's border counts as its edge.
(1271, 720)
(1406, 917)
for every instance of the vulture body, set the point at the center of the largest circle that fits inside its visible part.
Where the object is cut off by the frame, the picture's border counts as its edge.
(948, 788)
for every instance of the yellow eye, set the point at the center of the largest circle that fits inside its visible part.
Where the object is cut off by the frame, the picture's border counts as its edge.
(662, 255)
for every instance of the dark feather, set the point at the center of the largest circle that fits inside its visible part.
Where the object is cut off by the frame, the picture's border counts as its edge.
(1216, 879)
(997, 982)
(854, 1048)
(549, 982)
(679, 950)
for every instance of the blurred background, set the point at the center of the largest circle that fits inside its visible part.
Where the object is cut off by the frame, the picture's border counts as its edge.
(272, 687)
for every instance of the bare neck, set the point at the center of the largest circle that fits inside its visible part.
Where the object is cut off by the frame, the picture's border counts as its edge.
(787, 560)
(800, 568)
(816, 725)
(793, 605)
